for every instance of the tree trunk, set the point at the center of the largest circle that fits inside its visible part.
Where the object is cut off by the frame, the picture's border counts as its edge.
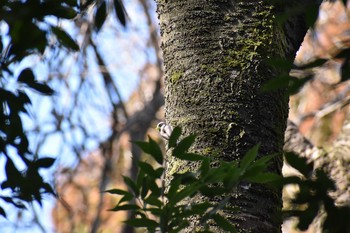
(215, 54)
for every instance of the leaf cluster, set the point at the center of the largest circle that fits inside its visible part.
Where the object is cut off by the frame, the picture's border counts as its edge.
(164, 209)
(30, 31)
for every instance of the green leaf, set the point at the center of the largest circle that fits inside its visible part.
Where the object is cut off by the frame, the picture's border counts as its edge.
(174, 137)
(224, 223)
(254, 170)
(265, 159)
(183, 145)
(264, 178)
(205, 166)
(249, 157)
(231, 179)
(101, 15)
(65, 39)
(299, 163)
(125, 207)
(131, 184)
(120, 12)
(276, 83)
(281, 63)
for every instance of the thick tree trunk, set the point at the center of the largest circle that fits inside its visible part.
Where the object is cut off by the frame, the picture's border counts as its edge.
(215, 63)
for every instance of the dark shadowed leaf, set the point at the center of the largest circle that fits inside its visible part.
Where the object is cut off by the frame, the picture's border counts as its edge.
(151, 148)
(314, 64)
(174, 137)
(295, 84)
(42, 88)
(142, 222)
(155, 151)
(48, 188)
(120, 12)
(174, 186)
(26, 76)
(117, 191)
(131, 184)
(153, 200)
(249, 157)
(125, 207)
(23, 97)
(299, 163)
(190, 157)
(273, 84)
(65, 39)
(149, 170)
(183, 145)
(2, 212)
(45, 162)
(224, 223)
(101, 15)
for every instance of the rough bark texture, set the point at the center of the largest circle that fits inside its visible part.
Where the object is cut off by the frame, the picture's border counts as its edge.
(214, 57)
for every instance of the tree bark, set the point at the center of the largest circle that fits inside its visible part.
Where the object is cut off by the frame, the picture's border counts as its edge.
(215, 55)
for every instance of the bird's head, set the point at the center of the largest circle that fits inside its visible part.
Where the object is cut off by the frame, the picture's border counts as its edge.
(160, 125)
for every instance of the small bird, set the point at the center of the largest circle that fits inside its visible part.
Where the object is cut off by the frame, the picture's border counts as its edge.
(164, 130)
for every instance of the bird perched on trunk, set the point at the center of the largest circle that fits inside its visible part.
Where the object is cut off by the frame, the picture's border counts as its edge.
(164, 130)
